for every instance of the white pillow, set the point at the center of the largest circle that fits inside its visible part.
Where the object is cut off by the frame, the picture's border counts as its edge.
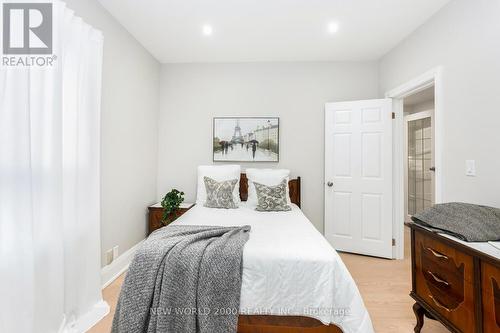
(218, 173)
(269, 177)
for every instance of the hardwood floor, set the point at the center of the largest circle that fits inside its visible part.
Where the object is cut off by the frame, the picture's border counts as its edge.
(384, 285)
(110, 294)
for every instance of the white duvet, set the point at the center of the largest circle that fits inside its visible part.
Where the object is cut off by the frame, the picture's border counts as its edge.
(289, 268)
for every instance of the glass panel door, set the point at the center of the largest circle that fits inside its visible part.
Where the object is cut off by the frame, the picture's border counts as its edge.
(420, 187)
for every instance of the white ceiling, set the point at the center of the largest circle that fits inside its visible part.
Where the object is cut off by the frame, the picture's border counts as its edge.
(423, 96)
(270, 30)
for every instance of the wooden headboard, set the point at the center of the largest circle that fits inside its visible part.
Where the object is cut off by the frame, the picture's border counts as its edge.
(293, 184)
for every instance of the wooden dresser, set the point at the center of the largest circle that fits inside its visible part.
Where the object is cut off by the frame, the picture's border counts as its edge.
(455, 282)
(156, 214)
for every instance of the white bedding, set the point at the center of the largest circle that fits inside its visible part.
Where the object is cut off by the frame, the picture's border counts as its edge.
(289, 268)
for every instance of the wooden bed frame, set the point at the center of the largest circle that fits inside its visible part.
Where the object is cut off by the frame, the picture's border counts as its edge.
(293, 185)
(280, 324)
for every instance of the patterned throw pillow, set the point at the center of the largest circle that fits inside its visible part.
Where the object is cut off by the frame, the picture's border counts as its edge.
(220, 194)
(272, 198)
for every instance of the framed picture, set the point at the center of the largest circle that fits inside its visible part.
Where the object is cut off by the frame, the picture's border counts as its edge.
(246, 139)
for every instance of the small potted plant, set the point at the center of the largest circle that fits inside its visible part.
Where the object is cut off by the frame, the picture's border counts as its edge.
(171, 203)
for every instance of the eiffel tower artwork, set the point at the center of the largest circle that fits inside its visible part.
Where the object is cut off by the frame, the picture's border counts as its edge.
(245, 139)
(237, 137)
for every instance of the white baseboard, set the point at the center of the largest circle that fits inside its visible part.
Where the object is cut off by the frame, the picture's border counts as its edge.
(88, 320)
(110, 272)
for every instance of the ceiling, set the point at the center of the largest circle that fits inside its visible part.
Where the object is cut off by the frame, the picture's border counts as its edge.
(270, 30)
(423, 96)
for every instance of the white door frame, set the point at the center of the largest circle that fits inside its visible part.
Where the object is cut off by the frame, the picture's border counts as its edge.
(422, 82)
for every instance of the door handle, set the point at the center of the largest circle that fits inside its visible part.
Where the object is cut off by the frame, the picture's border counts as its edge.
(330, 184)
(432, 168)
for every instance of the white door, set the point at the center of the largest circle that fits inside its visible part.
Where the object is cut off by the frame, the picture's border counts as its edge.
(419, 163)
(358, 176)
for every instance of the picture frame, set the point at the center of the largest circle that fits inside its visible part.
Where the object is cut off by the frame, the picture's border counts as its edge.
(246, 139)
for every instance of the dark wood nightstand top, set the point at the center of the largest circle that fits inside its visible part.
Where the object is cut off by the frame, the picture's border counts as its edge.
(184, 205)
(156, 215)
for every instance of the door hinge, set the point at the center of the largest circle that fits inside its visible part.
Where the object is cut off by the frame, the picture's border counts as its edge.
(393, 242)
(393, 115)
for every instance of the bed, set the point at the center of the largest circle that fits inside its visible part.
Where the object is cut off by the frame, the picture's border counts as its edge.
(292, 279)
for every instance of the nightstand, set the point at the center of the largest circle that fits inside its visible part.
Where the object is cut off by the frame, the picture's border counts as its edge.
(156, 214)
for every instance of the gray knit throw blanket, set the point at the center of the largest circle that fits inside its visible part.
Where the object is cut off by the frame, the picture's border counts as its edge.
(471, 223)
(184, 279)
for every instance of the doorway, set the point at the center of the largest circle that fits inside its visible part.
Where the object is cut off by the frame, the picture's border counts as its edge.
(418, 112)
(432, 81)
(382, 167)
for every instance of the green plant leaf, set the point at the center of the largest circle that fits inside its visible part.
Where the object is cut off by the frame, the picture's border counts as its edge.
(170, 203)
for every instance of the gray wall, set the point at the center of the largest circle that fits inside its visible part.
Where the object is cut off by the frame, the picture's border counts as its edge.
(191, 94)
(129, 130)
(463, 38)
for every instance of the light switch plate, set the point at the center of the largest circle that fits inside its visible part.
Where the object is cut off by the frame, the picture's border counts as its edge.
(109, 257)
(470, 168)
(115, 252)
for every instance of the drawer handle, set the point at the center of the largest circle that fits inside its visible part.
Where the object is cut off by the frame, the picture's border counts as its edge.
(437, 254)
(438, 303)
(437, 279)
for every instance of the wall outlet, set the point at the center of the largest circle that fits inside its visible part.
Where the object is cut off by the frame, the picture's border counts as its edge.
(470, 168)
(115, 252)
(109, 257)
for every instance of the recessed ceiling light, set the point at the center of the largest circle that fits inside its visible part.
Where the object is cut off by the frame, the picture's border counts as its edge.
(207, 30)
(333, 27)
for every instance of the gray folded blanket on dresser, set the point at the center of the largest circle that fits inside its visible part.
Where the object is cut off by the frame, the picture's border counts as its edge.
(184, 279)
(471, 223)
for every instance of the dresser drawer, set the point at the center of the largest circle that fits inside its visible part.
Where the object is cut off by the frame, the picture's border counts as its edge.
(490, 286)
(444, 280)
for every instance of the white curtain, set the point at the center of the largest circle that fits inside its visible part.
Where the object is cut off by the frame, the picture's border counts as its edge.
(50, 186)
